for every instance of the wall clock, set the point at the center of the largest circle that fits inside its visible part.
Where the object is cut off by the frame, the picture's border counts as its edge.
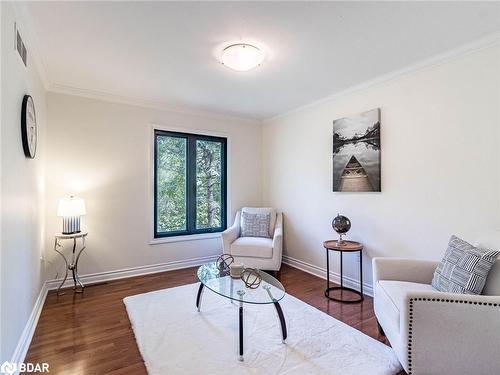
(28, 127)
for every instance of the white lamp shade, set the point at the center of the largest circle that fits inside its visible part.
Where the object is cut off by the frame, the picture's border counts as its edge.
(242, 57)
(71, 206)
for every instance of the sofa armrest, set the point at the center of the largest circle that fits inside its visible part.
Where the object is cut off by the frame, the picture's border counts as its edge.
(450, 333)
(230, 235)
(401, 269)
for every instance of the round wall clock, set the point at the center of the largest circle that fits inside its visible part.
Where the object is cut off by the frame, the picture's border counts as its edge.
(28, 127)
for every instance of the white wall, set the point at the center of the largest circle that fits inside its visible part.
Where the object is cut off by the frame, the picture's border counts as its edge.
(440, 164)
(440, 174)
(22, 190)
(101, 151)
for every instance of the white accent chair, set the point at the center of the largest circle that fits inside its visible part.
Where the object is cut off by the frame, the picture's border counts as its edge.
(433, 332)
(256, 252)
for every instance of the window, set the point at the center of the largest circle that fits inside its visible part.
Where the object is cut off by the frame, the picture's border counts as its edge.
(189, 183)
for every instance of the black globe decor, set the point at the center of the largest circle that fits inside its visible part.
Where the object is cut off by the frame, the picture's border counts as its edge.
(341, 225)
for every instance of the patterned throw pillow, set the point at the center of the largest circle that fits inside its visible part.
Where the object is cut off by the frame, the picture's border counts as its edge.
(464, 268)
(255, 225)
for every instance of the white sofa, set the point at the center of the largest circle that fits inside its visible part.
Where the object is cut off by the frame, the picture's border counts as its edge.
(433, 332)
(256, 252)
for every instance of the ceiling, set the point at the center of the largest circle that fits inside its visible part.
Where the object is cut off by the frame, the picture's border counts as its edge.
(166, 51)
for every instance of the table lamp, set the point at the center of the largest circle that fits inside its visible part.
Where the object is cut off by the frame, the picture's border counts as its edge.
(70, 209)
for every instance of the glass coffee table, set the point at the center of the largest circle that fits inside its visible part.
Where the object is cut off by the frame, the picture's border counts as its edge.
(218, 280)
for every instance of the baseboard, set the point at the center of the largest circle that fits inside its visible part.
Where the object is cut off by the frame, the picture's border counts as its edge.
(29, 329)
(321, 272)
(27, 335)
(131, 272)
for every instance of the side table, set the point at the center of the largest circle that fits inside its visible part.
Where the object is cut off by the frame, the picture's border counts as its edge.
(344, 246)
(73, 266)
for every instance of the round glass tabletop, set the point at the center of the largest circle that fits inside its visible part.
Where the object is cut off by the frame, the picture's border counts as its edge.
(219, 281)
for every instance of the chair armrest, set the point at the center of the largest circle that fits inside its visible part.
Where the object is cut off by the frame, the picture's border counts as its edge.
(451, 333)
(278, 241)
(230, 235)
(278, 238)
(278, 231)
(401, 269)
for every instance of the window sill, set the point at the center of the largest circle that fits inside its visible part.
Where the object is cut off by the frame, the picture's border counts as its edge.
(188, 237)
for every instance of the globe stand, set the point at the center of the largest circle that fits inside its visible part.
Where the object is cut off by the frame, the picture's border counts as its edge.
(340, 241)
(341, 225)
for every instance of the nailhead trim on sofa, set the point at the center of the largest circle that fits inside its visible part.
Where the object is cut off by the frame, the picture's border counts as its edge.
(410, 320)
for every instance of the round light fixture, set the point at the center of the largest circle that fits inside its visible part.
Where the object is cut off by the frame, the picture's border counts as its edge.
(242, 56)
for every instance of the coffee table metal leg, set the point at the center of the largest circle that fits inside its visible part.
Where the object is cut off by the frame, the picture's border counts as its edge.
(276, 304)
(282, 319)
(199, 296)
(241, 293)
(241, 331)
(232, 290)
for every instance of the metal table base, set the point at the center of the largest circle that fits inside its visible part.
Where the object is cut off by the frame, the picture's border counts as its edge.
(342, 287)
(241, 293)
(72, 266)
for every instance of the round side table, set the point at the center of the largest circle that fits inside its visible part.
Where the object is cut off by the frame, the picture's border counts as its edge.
(75, 256)
(348, 247)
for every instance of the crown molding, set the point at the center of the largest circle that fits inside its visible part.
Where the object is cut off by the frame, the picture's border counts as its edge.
(477, 45)
(146, 103)
(30, 37)
(31, 40)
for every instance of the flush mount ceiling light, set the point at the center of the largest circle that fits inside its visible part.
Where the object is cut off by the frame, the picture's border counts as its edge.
(242, 56)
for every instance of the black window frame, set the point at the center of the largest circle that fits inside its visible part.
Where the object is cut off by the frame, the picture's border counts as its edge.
(191, 140)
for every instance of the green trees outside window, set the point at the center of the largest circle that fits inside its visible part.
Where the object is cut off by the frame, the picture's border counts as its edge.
(189, 184)
(208, 184)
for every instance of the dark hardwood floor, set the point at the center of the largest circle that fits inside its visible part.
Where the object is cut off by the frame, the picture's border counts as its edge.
(90, 333)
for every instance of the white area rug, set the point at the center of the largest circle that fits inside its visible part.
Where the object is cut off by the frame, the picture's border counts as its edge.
(174, 338)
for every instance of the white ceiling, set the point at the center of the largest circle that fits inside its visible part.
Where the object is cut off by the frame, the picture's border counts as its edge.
(164, 51)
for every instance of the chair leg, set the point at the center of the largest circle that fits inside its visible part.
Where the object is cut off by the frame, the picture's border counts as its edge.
(380, 329)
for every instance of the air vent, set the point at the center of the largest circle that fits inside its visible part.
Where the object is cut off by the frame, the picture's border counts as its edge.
(20, 47)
